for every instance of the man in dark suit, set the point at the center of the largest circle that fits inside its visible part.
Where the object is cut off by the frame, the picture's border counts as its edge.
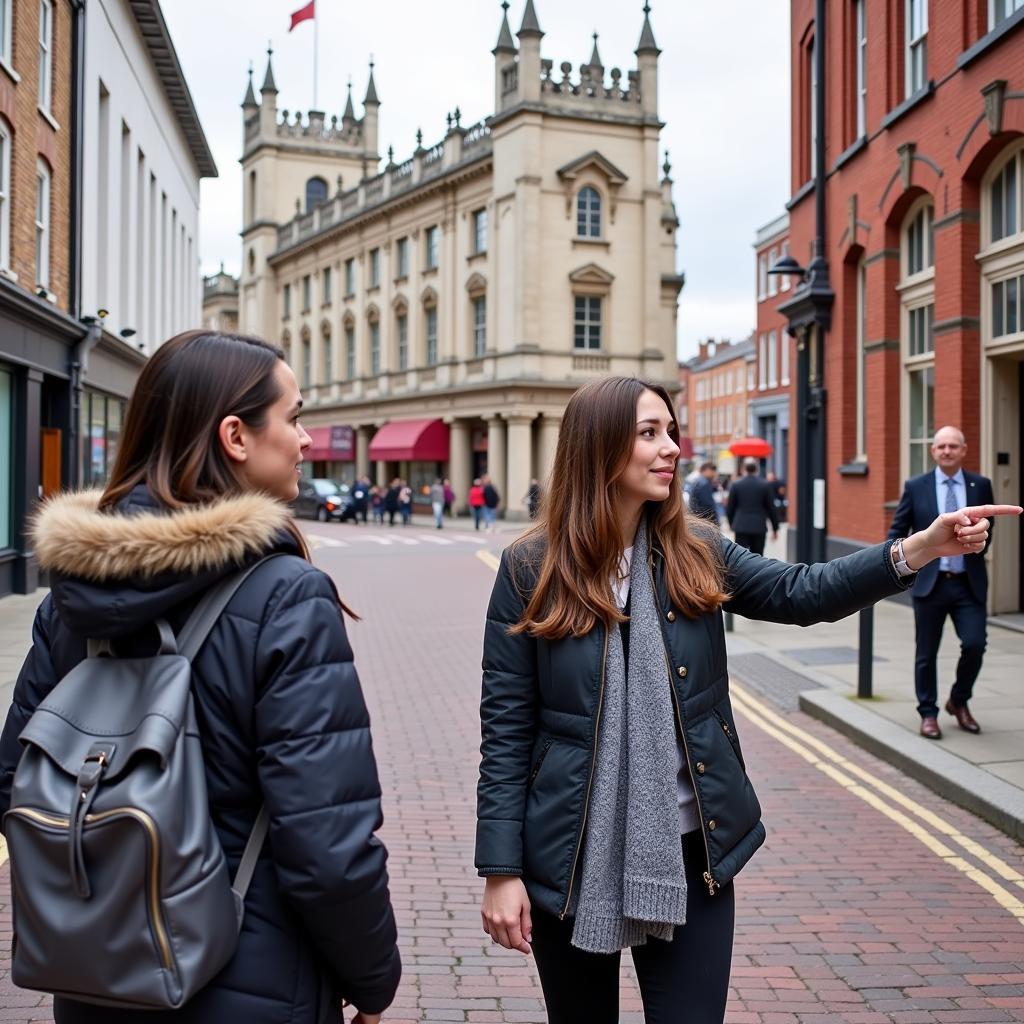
(751, 507)
(957, 587)
(702, 497)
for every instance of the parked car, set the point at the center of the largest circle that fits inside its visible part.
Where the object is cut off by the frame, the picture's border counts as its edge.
(324, 499)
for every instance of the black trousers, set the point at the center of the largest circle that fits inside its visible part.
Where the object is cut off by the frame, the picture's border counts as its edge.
(752, 541)
(685, 981)
(951, 596)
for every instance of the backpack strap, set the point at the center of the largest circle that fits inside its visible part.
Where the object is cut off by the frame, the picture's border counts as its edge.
(190, 640)
(251, 854)
(202, 620)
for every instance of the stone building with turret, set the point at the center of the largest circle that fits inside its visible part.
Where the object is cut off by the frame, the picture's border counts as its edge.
(440, 312)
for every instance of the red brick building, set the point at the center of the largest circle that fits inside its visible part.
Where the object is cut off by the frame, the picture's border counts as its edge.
(769, 402)
(925, 242)
(720, 378)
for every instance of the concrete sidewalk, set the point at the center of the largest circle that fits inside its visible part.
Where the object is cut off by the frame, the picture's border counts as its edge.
(815, 669)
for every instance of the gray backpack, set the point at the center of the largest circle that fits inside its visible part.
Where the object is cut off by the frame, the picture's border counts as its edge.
(119, 884)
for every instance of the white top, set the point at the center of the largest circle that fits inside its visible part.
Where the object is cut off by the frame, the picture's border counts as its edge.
(689, 816)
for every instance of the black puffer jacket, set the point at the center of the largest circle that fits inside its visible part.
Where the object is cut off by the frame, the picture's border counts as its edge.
(282, 720)
(542, 699)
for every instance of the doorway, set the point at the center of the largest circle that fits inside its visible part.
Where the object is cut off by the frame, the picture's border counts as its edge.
(1004, 455)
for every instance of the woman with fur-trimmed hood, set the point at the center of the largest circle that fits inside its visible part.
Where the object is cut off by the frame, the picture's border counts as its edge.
(211, 454)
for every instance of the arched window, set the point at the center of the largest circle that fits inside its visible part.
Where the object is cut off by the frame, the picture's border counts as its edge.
(316, 193)
(917, 333)
(430, 326)
(373, 323)
(1002, 257)
(588, 213)
(349, 325)
(5, 195)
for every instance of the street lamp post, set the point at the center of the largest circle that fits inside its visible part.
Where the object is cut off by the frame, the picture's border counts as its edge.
(809, 312)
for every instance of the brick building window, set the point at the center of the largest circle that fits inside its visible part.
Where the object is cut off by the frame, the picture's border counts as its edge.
(1002, 258)
(5, 195)
(773, 360)
(784, 356)
(588, 213)
(6, 18)
(784, 285)
(587, 322)
(812, 105)
(45, 54)
(762, 362)
(920, 241)
(42, 225)
(762, 278)
(860, 24)
(862, 314)
(915, 34)
(773, 280)
(1000, 10)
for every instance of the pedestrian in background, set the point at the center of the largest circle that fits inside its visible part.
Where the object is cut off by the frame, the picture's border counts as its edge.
(360, 499)
(702, 496)
(532, 499)
(391, 505)
(405, 502)
(956, 587)
(208, 460)
(613, 807)
(751, 507)
(476, 502)
(377, 504)
(437, 502)
(491, 501)
(449, 496)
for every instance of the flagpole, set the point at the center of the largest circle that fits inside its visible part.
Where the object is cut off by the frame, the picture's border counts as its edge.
(316, 55)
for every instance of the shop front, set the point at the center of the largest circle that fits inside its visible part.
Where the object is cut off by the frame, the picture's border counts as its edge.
(417, 451)
(332, 455)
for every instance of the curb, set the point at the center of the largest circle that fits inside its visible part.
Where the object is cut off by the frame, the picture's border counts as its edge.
(998, 802)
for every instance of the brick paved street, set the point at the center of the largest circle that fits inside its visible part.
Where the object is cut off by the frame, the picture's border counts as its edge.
(857, 911)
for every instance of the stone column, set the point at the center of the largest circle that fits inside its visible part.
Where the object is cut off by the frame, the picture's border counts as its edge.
(520, 466)
(363, 451)
(460, 461)
(548, 428)
(496, 451)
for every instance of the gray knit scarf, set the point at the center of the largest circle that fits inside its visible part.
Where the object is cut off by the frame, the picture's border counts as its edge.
(633, 884)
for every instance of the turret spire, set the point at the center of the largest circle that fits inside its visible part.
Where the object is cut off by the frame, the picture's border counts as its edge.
(350, 111)
(250, 94)
(530, 25)
(371, 89)
(595, 57)
(506, 44)
(268, 79)
(647, 43)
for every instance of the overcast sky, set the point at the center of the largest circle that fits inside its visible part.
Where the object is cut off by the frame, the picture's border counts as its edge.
(724, 95)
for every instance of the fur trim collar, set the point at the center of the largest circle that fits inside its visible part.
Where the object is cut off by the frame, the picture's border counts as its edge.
(73, 537)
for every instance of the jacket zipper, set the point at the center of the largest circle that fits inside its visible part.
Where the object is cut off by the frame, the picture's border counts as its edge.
(709, 878)
(590, 780)
(540, 761)
(153, 867)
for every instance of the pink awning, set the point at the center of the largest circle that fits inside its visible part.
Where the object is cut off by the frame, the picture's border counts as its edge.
(411, 441)
(330, 444)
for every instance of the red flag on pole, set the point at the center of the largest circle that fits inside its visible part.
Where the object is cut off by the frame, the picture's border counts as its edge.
(303, 14)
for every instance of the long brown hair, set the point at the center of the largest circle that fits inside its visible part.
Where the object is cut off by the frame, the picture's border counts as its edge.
(579, 526)
(169, 441)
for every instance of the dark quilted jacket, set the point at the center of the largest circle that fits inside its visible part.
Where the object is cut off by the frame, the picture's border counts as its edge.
(541, 705)
(282, 720)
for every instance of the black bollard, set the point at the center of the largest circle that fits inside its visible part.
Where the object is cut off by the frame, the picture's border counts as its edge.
(866, 652)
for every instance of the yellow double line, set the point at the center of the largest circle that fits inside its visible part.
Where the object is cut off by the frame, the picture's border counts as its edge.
(891, 802)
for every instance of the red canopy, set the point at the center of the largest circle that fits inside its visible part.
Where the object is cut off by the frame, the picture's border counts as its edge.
(411, 441)
(330, 444)
(755, 447)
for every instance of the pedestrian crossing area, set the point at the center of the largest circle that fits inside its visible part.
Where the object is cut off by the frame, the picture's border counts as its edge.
(367, 538)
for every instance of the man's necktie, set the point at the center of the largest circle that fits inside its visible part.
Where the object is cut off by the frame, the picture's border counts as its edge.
(956, 562)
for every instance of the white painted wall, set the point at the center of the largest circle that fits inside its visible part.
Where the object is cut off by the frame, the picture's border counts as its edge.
(141, 216)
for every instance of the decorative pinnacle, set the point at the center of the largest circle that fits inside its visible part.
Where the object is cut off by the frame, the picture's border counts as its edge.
(391, 156)
(419, 138)
(666, 166)
(458, 117)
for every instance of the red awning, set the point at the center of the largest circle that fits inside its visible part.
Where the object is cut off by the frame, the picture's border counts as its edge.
(755, 447)
(330, 444)
(411, 441)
